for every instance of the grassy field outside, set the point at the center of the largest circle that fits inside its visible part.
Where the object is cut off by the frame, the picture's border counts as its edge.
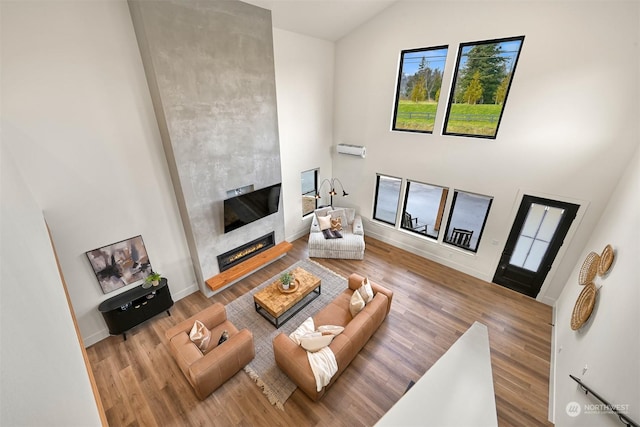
(479, 119)
(416, 116)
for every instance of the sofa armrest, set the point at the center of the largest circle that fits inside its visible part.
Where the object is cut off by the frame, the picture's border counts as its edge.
(315, 227)
(357, 226)
(293, 361)
(210, 317)
(212, 370)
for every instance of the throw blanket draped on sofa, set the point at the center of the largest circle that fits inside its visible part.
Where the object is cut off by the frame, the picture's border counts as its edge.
(323, 362)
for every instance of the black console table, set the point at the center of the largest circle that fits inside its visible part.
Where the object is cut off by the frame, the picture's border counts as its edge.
(130, 308)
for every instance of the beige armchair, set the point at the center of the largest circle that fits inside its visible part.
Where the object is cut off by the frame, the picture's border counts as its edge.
(209, 370)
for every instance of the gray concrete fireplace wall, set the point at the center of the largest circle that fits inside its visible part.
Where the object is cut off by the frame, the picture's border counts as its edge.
(210, 70)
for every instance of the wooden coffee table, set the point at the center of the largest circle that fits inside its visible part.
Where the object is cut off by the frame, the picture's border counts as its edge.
(278, 307)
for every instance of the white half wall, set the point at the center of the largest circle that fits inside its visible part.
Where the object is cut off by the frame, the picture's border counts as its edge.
(304, 90)
(568, 130)
(43, 377)
(78, 118)
(605, 352)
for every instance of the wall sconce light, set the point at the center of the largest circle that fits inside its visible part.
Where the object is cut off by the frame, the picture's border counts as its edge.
(332, 191)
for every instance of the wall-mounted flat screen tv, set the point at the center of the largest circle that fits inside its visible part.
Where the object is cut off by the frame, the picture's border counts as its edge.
(246, 208)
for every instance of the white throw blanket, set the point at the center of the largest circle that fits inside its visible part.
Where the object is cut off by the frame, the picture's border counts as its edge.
(323, 362)
(324, 366)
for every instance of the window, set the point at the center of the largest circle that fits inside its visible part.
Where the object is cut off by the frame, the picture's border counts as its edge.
(423, 208)
(481, 83)
(467, 219)
(386, 200)
(309, 190)
(418, 89)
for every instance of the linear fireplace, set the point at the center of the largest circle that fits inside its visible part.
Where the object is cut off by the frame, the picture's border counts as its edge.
(246, 251)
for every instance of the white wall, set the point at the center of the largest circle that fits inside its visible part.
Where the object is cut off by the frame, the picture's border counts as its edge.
(304, 89)
(568, 129)
(41, 363)
(609, 343)
(78, 118)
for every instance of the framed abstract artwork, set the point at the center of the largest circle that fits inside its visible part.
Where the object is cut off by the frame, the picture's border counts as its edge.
(120, 264)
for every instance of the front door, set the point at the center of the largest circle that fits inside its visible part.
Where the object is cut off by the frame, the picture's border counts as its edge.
(534, 241)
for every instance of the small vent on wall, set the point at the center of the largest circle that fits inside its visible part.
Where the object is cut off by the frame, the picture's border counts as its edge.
(353, 150)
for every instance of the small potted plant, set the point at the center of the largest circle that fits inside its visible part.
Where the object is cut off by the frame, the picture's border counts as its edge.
(286, 279)
(153, 279)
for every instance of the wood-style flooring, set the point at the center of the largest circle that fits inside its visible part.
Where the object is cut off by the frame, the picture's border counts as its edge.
(433, 305)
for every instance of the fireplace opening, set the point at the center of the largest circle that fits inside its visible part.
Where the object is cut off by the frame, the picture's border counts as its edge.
(246, 251)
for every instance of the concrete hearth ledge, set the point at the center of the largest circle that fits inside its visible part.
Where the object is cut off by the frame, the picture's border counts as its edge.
(456, 391)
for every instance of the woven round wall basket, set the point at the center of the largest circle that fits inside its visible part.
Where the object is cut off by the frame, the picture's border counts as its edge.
(606, 259)
(584, 306)
(589, 268)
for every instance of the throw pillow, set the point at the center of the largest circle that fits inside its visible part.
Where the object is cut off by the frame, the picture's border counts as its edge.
(330, 329)
(315, 341)
(223, 337)
(200, 335)
(356, 304)
(336, 224)
(324, 222)
(306, 327)
(366, 292)
(339, 213)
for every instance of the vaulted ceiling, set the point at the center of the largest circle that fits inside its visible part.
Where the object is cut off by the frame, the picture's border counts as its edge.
(325, 19)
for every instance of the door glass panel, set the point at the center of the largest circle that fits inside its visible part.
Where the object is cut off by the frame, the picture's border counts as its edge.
(550, 224)
(538, 249)
(537, 231)
(519, 255)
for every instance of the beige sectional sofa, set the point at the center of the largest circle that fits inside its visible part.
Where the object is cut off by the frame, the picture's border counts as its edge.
(292, 358)
(350, 246)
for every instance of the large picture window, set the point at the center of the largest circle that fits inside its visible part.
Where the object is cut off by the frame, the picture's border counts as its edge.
(418, 89)
(309, 189)
(483, 75)
(423, 208)
(467, 218)
(386, 200)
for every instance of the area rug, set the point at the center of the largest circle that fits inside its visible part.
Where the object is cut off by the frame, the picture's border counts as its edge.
(242, 313)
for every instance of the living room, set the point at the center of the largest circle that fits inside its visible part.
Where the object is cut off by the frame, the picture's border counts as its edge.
(81, 144)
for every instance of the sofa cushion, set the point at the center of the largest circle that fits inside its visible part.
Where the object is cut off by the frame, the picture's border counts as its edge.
(350, 212)
(336, 224)
(200, 336)
(356, 304)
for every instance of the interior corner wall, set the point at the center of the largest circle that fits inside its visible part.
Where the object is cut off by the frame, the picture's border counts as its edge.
(605, 352)
(305, 117)
(567, 128)
(43, 377)
(78, 120)
(210, 69)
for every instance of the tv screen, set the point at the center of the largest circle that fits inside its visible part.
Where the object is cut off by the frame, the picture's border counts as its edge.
(246, 208)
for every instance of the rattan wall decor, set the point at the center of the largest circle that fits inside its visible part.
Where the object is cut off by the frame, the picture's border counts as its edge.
(593, 265)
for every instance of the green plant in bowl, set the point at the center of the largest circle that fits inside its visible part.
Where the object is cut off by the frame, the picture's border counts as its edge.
(153, 279)
(286, 279)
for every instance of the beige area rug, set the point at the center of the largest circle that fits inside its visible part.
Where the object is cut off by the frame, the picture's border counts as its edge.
(242, 313)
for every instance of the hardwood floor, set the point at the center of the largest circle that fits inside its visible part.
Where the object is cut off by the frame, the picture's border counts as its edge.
(140, 385)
